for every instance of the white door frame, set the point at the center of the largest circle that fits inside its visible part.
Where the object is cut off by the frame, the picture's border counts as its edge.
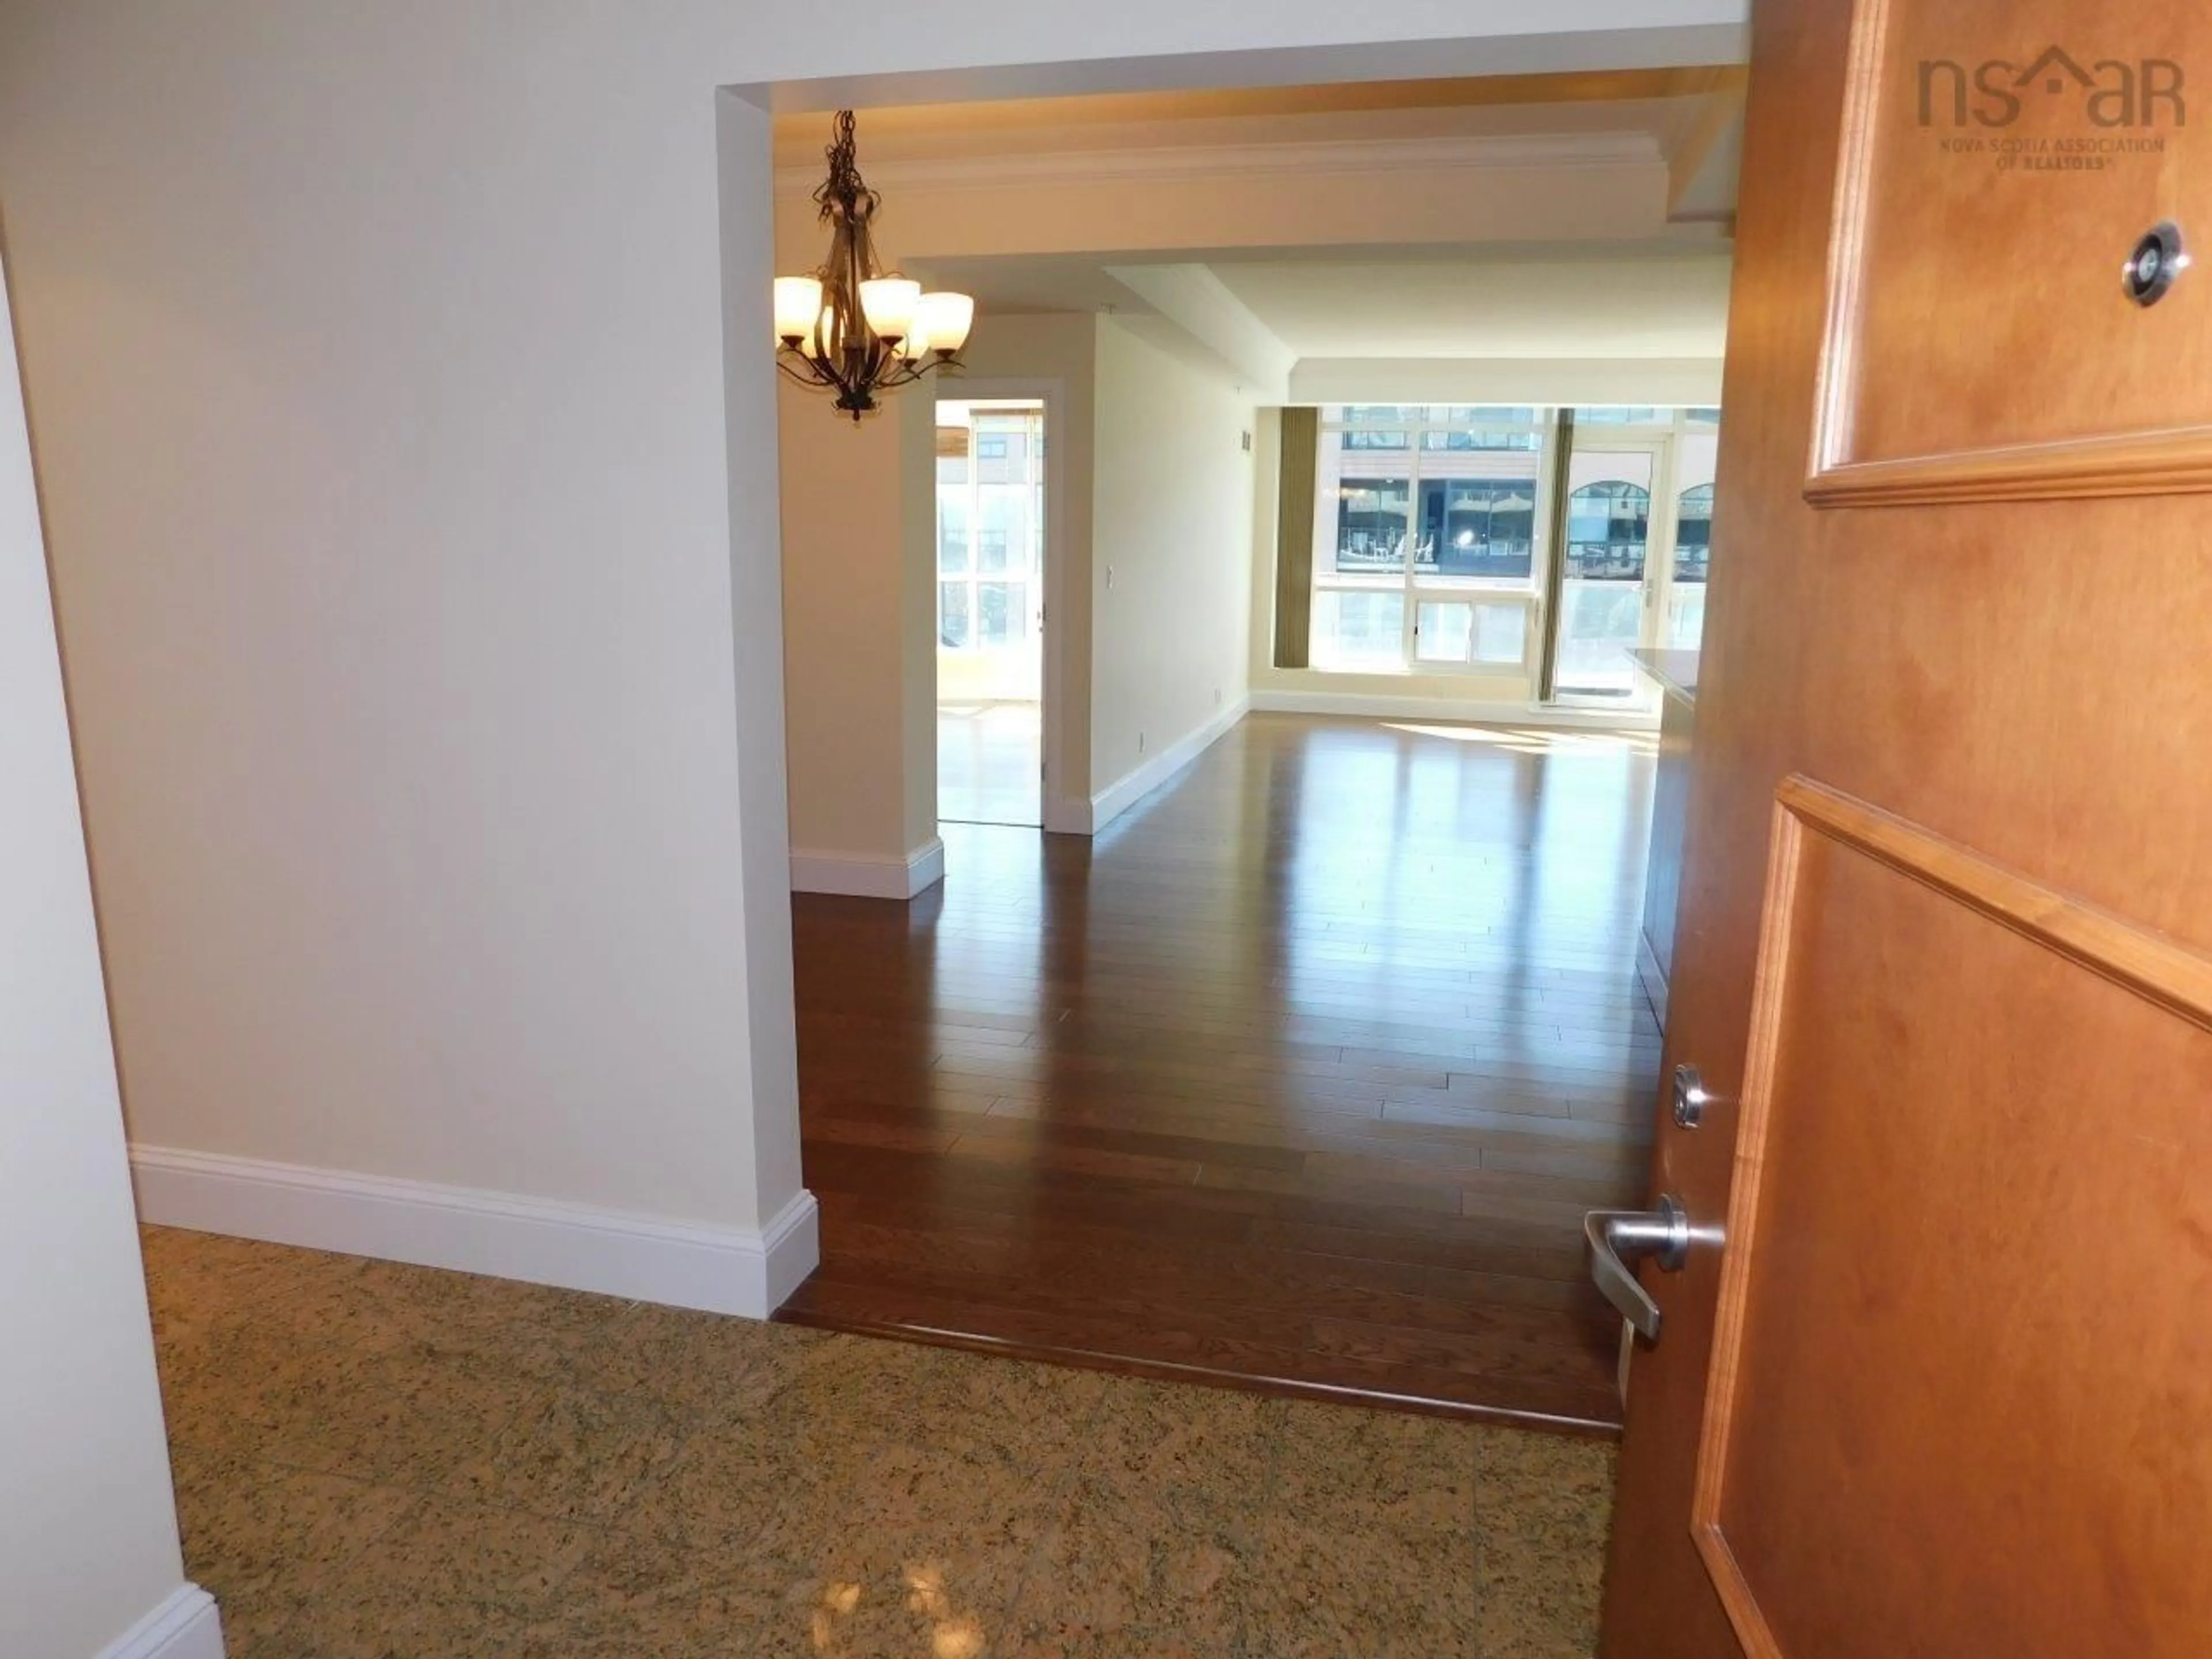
(1062, 811)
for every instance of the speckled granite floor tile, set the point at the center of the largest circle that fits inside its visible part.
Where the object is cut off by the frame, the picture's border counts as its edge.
(220, 1388)
(416, 1413)
(1152, 1643)
(1329, 1590)
(914, 1447)
(1185, 1448)
(574, 1453)
(199, 1281)
(446, 1577)
(376, 1462)
(1116, 1563)
(1379, 1471)
(1543, 1510)
(250, 1530)
(628, 1598)
(694, 1368)
(863, 1503)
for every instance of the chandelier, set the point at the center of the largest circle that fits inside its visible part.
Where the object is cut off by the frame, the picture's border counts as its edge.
(851, 328)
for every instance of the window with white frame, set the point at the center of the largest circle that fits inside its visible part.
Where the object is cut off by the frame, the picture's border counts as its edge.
(1433, 526)
(990, 530)
(1426, 548)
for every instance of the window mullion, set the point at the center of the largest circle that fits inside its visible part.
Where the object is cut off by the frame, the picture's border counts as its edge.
(975, 534)
(1410, 623)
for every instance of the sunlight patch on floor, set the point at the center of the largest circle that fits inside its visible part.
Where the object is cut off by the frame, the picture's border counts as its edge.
(987, 757)
(1537, 740)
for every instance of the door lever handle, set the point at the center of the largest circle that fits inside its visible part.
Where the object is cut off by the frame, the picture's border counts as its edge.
(1617, 1238)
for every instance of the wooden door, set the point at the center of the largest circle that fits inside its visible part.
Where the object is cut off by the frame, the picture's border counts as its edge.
(1936, 1379)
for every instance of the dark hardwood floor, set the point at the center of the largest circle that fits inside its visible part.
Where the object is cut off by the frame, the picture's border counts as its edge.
(1300, 1075)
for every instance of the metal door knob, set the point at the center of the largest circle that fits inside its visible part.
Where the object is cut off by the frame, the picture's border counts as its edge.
(1617, 1238)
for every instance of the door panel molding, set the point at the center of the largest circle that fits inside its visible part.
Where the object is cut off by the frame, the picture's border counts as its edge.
(2154, 967)
(1866, 365)
(1777, 927)
(1813, 821)
(2159, 464)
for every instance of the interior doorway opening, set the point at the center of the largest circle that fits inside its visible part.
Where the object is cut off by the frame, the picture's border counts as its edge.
(1249, 576)
(990, 611)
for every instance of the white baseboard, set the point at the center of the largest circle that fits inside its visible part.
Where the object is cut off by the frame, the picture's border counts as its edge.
(731, 1270)
(185, 1625)
(869, 875)
(1067, 815)
(1453, 710)
(1118, 798)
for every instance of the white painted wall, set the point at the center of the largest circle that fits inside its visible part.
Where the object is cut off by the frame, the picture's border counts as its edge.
(376, 361)
(857, 655)
(88, 1525)
(1171, 535)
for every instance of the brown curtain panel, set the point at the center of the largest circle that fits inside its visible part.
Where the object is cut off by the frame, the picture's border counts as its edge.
(1294, 536)
(1555, 560)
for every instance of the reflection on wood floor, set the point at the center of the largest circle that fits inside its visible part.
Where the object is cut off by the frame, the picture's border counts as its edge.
(1301, 1074)
(988, 757)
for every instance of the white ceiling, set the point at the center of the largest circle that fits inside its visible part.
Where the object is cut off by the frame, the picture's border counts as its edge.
(1025, 283)
(1619, 292)
(1641, 301)
(1668, 306)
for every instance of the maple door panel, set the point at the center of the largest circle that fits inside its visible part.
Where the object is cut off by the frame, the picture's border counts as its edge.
(2002, 636)
(2005, 144)
(1911, 1334)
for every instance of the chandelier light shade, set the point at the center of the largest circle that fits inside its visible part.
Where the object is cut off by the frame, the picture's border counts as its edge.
(853, 328)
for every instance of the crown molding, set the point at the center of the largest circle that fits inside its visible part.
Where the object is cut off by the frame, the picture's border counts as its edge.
(1196, 301)
(1670, 381)
(1343, 157)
